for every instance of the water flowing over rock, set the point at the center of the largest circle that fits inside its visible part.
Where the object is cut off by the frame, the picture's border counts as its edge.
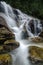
(7, 42)
(16, 25)
(7, 38)
(17, 19)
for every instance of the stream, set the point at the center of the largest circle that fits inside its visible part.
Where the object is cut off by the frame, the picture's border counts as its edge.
(18, 22)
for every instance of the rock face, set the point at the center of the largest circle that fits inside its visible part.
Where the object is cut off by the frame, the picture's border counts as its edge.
(7, 38)
(35, 54)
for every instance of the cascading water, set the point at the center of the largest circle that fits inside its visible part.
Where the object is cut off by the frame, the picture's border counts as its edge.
(16, 21)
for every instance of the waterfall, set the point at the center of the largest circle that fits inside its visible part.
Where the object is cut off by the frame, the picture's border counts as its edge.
(16, 20)
(16, 17)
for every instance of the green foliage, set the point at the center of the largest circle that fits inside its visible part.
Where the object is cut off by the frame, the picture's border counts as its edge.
(30, 7)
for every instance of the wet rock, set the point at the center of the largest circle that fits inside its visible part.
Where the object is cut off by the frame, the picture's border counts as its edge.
(42, 23)
(35, 54)
(24, 33)
(37, 39)
(3, 22)
(8, 46)
(31, 25)
(5, 59)
(41, 34)
(2, 8)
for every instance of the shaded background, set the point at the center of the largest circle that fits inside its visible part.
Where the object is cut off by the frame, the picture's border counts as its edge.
(30, 7)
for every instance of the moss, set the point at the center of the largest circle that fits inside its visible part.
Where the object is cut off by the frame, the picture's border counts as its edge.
(36, 53)
(5, 59)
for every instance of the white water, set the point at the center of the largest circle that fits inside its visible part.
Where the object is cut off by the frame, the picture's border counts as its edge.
(19, 55)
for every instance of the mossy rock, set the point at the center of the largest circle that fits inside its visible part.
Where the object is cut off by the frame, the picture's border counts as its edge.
(36, 54)
(37, 39)
(5, 59)
(8, 46)
(5, 33)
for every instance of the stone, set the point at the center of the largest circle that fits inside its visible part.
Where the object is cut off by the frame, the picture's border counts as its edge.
(5, 59)
(35, 54)
(37, 39)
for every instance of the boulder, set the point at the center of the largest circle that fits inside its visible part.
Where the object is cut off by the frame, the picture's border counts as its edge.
(8, 46)
(5, 59)
(35, 54)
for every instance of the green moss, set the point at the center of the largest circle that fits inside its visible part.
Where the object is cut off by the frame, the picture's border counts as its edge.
(36, 53)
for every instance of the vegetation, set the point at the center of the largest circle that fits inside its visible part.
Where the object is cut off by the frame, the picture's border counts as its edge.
(30, 7)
